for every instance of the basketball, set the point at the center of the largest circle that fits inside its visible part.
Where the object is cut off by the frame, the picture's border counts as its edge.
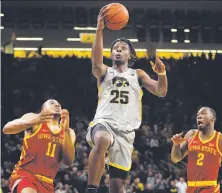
(118, 17)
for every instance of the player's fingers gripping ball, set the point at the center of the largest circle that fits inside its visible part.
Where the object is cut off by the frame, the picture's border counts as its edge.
(117, 16)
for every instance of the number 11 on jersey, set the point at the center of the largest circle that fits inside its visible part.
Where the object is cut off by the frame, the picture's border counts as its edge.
(51, 150)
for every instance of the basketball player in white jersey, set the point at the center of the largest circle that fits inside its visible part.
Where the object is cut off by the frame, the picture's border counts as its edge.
(119, 109)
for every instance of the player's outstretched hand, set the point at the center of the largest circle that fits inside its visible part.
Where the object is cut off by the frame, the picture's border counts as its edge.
(102, 14)
(65, 119)
(159, 66)
(43, 117)
(178, 139)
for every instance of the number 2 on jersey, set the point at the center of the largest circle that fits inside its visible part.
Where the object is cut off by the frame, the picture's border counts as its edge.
(120, 97)
(51, 151)
(200, 159)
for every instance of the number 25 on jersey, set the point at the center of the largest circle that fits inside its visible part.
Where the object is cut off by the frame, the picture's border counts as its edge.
(200, 159)
(121, 97)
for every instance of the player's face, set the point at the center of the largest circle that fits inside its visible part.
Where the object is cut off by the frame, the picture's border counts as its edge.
(120, 52)
(204, 117)
(52, 106)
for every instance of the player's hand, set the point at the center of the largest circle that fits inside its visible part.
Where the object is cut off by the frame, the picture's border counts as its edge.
(102, 14)
(159, 66)
(65, 119)
(43, 117)
(178, 139)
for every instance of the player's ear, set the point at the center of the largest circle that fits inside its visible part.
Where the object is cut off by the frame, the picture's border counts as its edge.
(111, 56)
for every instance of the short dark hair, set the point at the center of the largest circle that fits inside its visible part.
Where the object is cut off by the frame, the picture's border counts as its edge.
(211, 110)
(133, 56)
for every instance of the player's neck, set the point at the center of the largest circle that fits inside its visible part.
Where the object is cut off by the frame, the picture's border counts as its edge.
(54, 122)
(208, 132)
(120, 67)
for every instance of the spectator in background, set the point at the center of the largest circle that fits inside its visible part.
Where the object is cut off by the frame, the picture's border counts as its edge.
(59, 188)
(148, 189)
(137, 186)
(150, 179)
(172, 188)
(181, 185)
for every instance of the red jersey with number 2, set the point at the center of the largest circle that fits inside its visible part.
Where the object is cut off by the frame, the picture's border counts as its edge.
(204, 158)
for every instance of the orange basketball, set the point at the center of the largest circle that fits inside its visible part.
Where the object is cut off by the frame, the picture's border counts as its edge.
(118, 17)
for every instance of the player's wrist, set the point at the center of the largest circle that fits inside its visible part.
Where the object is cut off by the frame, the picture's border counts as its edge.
(162, 73)
(99, 29)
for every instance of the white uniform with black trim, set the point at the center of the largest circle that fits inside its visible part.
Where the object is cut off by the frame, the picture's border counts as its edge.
(119, 110)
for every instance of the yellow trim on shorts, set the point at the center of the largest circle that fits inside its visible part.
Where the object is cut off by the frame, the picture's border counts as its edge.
(201, 183)
(119, 166)
(44, 178)
(217, 188)
(91, 124)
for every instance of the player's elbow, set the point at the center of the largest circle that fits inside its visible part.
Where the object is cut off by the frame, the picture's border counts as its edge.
(6, 129)
(162, 93)
(175, 159)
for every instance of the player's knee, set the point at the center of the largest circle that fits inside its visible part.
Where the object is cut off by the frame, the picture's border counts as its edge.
(28, 190)
(102, 141)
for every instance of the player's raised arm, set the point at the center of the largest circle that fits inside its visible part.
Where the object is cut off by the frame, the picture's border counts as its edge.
(98, 68)
(159, 87)
(220, 144)
(180, 146)
(26, 121)
(68, 150)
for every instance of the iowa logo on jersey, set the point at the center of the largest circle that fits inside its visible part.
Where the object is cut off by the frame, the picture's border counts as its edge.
(120, 82)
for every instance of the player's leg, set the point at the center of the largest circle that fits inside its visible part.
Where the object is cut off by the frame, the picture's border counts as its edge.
(28, 190)
(102, 140)
(117, 180)
(26, 186)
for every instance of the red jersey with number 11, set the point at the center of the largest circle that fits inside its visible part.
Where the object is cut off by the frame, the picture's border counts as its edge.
(42, 152)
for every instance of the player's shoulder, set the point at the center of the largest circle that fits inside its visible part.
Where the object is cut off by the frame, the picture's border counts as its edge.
(191, 133)
(140, 71)
(220, 136)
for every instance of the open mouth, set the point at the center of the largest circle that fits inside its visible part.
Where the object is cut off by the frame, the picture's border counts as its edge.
(199, 123)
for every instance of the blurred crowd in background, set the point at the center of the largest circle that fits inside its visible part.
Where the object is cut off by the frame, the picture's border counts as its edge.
(193, 82)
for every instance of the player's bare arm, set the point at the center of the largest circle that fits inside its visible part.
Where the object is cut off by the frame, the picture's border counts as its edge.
(220, 143)
(68, 149)
(180, 145)
(29, 120)
(159, 87)
(98, 68)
